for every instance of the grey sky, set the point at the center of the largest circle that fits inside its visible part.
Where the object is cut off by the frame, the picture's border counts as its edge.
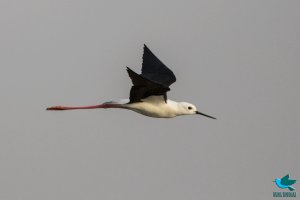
(236, 60)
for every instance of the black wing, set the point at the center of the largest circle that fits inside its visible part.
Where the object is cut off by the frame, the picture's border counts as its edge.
(153, 69)
(143, 88)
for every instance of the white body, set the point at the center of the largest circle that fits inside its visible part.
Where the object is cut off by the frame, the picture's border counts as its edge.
(155, 106)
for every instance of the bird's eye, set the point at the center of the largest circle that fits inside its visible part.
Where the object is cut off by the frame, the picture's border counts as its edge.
(190, 108)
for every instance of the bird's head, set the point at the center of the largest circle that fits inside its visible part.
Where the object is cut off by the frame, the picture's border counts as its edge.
(190, 109)
(277, 181)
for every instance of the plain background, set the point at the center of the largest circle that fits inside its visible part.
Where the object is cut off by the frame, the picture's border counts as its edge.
(235, 60)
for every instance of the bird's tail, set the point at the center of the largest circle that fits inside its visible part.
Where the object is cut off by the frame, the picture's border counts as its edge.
(291, 188)
(122, 101)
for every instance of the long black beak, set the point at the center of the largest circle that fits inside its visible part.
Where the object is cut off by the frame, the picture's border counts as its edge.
(199, 113)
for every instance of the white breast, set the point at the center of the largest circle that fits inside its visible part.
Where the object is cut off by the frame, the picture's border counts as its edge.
(155, 106)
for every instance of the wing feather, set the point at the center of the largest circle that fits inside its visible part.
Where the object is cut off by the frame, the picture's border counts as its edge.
(143, 88)
(154, 70)
(287, 181)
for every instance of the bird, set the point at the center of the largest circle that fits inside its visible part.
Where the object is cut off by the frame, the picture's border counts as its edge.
(148, 94)
(285, 182)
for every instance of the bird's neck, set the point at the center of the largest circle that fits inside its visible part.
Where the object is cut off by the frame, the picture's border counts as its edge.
(176, 107)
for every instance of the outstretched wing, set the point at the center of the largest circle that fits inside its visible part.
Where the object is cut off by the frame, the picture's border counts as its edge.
(286, 181)
(143, 88)
(153, 69)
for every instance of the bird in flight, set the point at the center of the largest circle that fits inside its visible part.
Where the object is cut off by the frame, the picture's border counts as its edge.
(148, 95)
(285, 182)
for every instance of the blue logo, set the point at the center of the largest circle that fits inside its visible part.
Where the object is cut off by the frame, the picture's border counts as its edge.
(285, 183)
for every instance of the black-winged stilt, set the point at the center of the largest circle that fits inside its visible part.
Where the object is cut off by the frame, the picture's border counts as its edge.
(148, 95)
